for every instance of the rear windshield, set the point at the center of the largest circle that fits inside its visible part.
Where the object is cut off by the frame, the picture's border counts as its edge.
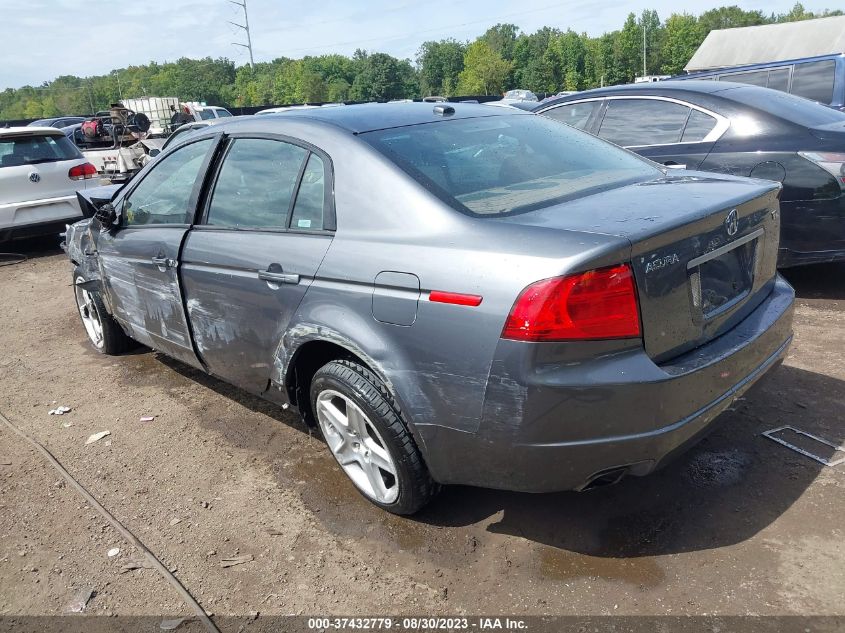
(34, 149)
(508, 164)
(786, 106)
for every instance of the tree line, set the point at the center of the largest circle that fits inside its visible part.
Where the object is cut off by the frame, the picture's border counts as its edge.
(503, 57)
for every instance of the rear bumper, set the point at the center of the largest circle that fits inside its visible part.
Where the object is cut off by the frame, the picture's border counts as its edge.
(559, 426)
(812, 232)
(33, 217)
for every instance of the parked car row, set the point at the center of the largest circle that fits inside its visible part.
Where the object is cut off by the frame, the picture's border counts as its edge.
(450, 293)
(710, 126)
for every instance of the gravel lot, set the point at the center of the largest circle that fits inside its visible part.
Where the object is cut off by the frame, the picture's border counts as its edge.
(739, 525)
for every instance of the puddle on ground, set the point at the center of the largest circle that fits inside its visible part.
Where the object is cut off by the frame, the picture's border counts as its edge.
(558, 564)
(341, 508)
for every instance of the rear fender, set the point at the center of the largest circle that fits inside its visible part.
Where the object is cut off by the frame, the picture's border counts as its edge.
(386, 361)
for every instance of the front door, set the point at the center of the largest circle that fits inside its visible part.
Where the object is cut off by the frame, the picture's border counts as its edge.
(247, 266)
(139, 259)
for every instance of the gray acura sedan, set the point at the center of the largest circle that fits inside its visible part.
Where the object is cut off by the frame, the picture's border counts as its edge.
(450, 293)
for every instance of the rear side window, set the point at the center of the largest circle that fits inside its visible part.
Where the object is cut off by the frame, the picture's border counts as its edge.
(779, 79)
(256, 184)
(35, 149)
(633, 122)
(575, 114)
(814, 80)
(699, 125)
(310, 199)
(498, 165)
(755, 78)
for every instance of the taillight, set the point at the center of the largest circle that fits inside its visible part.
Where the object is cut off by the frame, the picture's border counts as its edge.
(832, 162)
(597, 304)
(82, 172)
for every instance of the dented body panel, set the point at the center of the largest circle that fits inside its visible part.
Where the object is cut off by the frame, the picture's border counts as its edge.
(483, 410)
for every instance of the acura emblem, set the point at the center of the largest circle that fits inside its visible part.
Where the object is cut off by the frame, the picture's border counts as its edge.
(732, 223)
(34, 177)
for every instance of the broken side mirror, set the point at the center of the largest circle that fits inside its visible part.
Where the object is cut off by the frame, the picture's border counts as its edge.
(106, 215)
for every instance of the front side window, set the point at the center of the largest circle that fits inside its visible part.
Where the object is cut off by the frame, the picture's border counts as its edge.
(164, 195)
(575, 114)
(256, 184)
(814, 80)
(633, 122)
(499, 165)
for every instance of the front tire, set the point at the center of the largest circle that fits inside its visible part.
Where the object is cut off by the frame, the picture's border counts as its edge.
(365, 432)
(105, 334)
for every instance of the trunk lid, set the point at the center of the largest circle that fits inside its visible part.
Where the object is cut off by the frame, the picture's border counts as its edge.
(703, 250)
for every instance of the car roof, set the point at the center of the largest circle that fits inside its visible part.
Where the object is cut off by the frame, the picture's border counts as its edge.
(701, 86)
(31, 131)
(367, 117)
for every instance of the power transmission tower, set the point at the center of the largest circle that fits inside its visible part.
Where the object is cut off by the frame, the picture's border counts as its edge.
(245, 27)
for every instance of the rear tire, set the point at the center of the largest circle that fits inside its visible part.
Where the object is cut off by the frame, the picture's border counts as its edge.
(104, 333)
(364, 430)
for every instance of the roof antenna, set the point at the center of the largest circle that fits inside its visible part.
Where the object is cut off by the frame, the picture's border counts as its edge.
(444, 110)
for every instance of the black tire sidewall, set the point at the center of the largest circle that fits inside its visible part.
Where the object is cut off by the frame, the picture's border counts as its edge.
(115, 340)
(407, 502)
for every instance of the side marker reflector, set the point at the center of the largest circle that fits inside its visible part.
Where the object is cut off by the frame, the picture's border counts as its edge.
(456, 298)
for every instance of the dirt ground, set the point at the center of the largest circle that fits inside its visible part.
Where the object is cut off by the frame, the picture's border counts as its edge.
(739, 525)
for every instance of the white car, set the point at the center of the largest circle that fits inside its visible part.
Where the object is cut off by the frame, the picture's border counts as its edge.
(40, 172)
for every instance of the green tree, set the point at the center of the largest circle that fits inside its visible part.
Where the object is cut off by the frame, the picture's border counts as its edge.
(502, 39)
(485, 72)
(729, 17)
(683, 36)
(439, 65)
(534, 68)
(381, 77)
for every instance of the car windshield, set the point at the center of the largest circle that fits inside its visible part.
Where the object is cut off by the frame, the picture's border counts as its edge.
(786, 106)
(205, 114)
(35, 148)
(503, 165)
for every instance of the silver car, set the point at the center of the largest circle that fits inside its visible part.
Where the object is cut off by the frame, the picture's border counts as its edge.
(451, 293)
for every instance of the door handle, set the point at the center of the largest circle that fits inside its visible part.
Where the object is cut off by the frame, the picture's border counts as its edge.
(163, 262)
(278, 277)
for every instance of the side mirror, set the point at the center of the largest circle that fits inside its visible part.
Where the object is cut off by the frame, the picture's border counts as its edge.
(106, 215)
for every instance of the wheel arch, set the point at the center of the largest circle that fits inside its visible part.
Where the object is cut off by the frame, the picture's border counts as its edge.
(307, 348)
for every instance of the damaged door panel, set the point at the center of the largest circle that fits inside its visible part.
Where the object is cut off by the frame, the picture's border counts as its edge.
(139, 259)
(248, 264)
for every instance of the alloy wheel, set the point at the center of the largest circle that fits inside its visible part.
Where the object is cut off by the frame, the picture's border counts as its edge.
(357, 446)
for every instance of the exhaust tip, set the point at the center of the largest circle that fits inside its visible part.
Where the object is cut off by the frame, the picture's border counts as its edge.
(604, 478)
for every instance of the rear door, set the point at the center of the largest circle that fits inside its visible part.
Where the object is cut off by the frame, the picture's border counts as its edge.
(667, 131)
(139, 258)
(267, 225)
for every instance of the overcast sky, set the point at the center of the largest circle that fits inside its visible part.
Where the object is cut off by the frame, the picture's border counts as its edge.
(42, 39)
